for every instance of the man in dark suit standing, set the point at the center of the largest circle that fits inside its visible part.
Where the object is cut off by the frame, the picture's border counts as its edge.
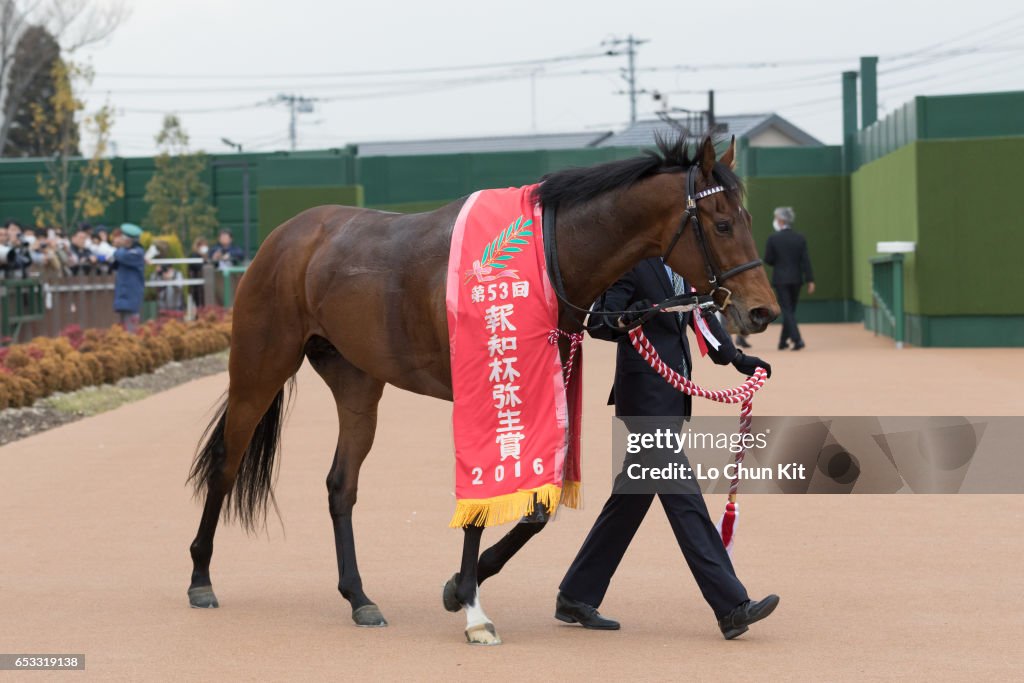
(639, 391)
(786, 252)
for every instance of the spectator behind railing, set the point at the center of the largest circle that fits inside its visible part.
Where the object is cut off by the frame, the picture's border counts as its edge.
(100, 245)
(17, 253)
(5, 249)
(226, 254)
(169, 297)
(81, 259)
(201, 250)
(46, 253)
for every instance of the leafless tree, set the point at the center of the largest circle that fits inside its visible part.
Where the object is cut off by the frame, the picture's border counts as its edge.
(73, 23)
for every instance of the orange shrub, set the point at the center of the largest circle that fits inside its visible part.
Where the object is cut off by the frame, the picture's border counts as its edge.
(31, 371)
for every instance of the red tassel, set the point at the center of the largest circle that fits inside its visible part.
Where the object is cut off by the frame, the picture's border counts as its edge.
(727, 525)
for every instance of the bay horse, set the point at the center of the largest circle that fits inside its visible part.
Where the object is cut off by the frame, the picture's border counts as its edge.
(361, 294)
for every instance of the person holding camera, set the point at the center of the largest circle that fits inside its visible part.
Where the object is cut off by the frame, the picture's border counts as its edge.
(129, 263)
(18, 254)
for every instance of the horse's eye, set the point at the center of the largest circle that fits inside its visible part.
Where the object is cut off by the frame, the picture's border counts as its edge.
(723, 226)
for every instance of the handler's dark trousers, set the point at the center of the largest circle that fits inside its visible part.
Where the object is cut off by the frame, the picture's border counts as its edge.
(788, 295)
(590, 573)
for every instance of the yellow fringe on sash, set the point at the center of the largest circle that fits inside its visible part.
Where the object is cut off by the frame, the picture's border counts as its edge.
(572, 494)
(511, 507)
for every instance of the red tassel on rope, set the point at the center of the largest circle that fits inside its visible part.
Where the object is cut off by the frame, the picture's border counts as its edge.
(727, 525)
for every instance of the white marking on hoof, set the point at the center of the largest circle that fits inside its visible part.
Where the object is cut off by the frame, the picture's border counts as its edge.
(483, 634)
(479, 629)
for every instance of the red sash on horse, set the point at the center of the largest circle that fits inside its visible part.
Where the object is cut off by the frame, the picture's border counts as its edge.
(510, 420)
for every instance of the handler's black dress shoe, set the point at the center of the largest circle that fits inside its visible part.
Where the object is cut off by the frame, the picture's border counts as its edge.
(736, 622)
(575, 612)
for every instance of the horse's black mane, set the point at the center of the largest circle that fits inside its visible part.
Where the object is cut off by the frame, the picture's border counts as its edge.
(576, 185)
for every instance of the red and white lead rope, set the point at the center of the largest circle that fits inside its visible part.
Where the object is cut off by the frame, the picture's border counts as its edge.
(575, 339)
(743, 394)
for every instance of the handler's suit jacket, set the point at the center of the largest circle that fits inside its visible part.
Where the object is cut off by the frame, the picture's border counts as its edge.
(638, 390)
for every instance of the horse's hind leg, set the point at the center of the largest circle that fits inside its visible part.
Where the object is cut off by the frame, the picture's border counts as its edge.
(356, 395)
(244, 435)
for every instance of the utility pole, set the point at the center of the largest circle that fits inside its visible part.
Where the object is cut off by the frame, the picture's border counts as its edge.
(632, 43)
(297, 104)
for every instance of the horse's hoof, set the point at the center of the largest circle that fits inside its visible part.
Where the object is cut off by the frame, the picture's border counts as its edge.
(202, 597)
(451, 603)
(369, 616)
(482, 634)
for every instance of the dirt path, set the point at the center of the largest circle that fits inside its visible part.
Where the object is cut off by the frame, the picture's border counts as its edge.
(95, 524)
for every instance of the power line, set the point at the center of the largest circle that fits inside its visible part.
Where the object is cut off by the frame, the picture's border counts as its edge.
(198, 110)
(972, 32)
(371, 72)
(942, 75)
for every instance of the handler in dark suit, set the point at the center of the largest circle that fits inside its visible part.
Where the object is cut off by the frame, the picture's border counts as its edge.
(786, 252)
(639, 391)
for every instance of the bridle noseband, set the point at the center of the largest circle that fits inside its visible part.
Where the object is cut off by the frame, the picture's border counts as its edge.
(692, 215)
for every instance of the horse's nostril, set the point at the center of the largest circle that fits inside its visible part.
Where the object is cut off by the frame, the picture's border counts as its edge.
(762, 315)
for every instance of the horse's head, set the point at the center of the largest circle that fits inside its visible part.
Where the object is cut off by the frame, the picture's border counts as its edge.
(714, 249)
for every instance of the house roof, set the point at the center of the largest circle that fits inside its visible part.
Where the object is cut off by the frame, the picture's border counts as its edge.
(641, 133)
(498, 143)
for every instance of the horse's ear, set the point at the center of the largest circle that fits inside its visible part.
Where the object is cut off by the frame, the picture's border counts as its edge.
(707, 157)
(729, 158)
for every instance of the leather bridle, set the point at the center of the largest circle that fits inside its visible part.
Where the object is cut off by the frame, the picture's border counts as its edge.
(692, 215)
(678, 302)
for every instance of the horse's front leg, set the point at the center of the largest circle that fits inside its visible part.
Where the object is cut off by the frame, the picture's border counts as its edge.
(479, 629)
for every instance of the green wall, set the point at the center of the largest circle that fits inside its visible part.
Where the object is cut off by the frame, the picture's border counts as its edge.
(817, 201)
(883, 207)
(278, 204)
(761, 162)
(943, 117)
(398, 180)
(966, 224)
(970, 227)
(18, 190)
(810, 180)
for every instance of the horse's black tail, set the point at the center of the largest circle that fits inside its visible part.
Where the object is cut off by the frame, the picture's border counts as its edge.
(254, 484)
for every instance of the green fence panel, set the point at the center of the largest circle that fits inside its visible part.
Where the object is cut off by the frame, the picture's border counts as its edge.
(884, 207)
(970, 116)
(970, 233)
(762, 162)
(321, 170)
(21, 301)
(817, 201)
(279, 204)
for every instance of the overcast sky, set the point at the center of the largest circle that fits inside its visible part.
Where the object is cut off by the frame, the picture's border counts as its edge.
(219, 63)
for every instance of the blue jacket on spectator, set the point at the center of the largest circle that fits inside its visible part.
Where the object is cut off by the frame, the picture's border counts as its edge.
(235, 255)
(130, 283)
